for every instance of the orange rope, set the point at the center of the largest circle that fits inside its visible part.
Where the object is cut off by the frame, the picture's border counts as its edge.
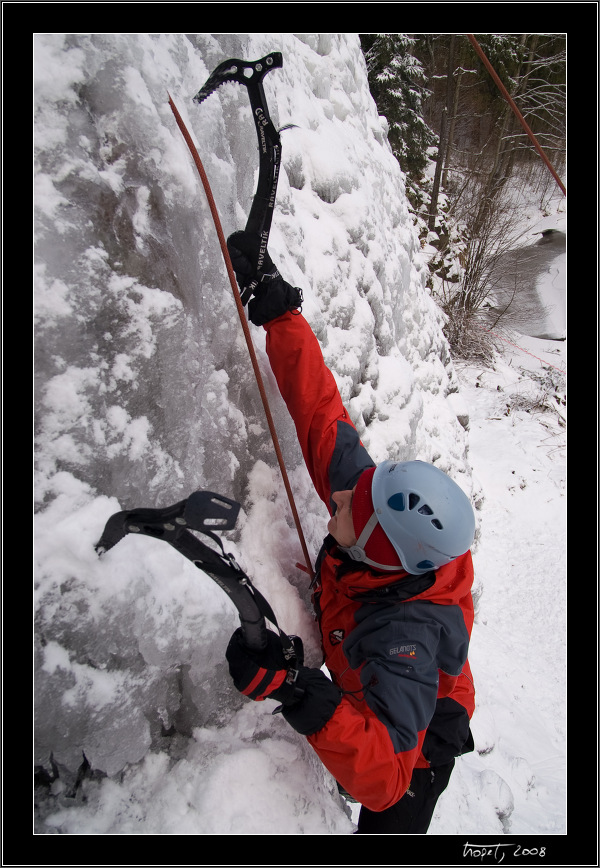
(240, 307)
(522, 120)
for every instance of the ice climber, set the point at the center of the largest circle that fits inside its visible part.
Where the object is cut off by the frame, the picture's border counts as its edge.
(392, 594)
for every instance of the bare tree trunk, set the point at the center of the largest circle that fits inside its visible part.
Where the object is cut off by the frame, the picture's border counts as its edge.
(438, 173)
(444, 145)
(451, 102)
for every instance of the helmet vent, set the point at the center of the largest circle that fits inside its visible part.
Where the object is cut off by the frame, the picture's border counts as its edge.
(437, 524)
(397, 502)
(413, 500)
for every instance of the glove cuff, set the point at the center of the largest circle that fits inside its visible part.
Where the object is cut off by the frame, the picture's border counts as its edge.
(316, 702)
(272, 299)
(291, 690)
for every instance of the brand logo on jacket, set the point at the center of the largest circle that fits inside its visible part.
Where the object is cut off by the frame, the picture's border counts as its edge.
(336, 636)
(409, 649)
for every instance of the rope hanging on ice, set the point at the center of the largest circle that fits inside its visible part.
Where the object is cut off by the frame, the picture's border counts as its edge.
(246, 329)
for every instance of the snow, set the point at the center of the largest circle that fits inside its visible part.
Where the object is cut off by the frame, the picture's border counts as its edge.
(144, 394)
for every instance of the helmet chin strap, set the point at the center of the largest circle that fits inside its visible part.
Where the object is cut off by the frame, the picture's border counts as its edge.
(357, 551)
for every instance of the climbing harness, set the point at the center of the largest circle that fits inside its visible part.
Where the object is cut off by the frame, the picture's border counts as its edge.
(205, 512)
(251, 75)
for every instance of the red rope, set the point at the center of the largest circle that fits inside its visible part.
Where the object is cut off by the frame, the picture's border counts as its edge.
(240, 307)
(522, 120)
(522, 349)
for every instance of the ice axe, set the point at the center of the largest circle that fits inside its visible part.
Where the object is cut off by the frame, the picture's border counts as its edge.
(251, 75)
(205, 512)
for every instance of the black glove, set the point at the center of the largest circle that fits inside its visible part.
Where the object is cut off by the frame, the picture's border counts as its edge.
(270, 296)
(264, 674)
(307, 696)
(319, 700)
(244, 251)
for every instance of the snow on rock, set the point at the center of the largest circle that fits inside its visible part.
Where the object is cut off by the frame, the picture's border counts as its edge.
(144, 394)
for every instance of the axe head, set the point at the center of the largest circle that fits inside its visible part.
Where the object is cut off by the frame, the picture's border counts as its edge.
(207, 511)
(204, 511)
(243, 71)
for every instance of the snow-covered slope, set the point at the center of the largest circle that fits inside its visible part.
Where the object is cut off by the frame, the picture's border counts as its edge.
(144, 393)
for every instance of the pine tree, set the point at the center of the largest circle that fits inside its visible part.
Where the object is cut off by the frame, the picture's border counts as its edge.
(398, 84)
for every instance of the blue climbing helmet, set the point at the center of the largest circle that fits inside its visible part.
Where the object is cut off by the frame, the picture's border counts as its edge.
(424, 514)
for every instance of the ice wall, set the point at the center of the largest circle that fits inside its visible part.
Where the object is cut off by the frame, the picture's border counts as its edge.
(144, 391)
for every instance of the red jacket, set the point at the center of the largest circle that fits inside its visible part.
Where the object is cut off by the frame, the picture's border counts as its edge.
(396, 644)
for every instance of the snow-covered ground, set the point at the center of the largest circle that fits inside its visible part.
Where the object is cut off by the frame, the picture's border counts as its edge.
(518, 650)
(144, 395)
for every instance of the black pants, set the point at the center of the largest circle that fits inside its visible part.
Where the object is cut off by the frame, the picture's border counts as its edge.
(413, 813)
